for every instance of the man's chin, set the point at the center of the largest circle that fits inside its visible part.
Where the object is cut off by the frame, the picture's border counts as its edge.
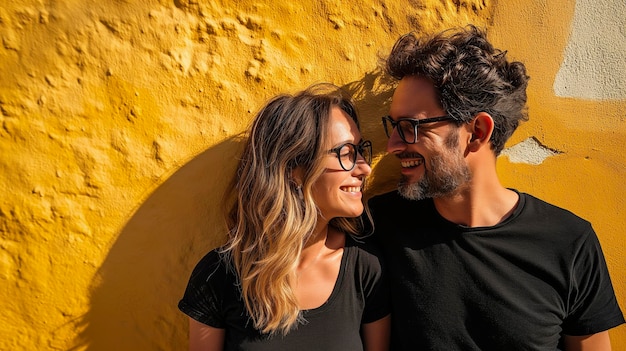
(411, 191)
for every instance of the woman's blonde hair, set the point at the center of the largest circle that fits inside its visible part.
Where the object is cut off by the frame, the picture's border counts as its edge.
(274, 214)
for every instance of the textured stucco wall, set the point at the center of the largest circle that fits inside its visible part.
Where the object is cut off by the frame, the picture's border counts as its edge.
(119, 124)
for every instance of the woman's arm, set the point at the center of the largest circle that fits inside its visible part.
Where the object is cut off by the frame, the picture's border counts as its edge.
(205, 338)
(594, 342)
(376, 334)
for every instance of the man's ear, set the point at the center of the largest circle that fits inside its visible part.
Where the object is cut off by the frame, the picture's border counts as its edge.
(481, 128)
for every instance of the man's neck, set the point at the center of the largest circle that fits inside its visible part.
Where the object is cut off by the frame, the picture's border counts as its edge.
(478, 205)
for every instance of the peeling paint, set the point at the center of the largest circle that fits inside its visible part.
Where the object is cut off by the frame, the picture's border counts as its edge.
(529, 151)
(594, 63)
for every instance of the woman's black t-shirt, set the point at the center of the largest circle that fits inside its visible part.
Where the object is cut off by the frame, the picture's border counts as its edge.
(359, 296)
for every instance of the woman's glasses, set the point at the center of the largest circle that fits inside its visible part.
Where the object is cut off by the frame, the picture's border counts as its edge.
(348, 154)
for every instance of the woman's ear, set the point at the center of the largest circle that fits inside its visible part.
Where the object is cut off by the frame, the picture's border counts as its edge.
(481, 128)
(297, 174)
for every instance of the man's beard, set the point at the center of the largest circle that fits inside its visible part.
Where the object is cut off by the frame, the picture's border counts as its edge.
(447, 172)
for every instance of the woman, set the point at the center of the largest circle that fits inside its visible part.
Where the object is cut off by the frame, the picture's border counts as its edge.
(291, 277)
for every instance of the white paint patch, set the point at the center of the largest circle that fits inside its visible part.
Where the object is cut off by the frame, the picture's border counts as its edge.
(594, 63)
(529, 151)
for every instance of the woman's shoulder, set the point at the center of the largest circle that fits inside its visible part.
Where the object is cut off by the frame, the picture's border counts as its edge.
(364, 251)
(362, 243)
(211, 290)
(213, 266)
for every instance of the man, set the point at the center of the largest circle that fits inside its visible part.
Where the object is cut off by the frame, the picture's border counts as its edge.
(474, 265)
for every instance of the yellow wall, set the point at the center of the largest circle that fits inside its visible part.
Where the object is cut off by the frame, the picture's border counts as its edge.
(119, 123)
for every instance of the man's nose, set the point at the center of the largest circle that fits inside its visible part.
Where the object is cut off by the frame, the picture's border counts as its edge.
(395, 144)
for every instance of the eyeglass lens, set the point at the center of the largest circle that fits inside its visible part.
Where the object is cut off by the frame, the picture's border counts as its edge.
(406, 128)
(347, 154)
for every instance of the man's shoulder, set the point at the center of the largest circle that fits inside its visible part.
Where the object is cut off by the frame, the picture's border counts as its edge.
(542, 206)
(547, 214)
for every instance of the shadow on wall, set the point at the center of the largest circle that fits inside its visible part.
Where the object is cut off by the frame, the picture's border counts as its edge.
(372, 95)
(135, 295)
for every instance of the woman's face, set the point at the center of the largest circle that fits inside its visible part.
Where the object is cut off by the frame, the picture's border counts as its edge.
(337, 192)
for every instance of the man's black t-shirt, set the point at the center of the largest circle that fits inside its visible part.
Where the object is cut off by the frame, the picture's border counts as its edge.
(360, 296)
(518, 285)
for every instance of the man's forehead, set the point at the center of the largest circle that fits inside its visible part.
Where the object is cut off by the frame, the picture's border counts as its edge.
(413, 96)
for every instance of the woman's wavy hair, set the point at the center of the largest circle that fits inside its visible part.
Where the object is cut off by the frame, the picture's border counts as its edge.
(274, 214)
(470, 76)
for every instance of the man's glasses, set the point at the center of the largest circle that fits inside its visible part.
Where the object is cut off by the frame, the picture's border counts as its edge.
(348, 154)
(408, 127)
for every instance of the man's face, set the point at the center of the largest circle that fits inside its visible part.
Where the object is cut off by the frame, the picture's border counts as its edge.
(434, 166)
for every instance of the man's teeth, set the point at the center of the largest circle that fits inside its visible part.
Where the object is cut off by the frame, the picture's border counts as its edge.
(351, 189)
(413, 163)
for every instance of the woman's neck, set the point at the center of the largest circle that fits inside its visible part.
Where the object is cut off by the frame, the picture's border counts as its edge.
(323, 242)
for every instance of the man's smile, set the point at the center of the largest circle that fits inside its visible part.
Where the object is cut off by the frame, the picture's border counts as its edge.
(411, 163)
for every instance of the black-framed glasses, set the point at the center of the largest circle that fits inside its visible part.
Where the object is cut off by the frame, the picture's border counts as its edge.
(408, 127)
(348, 153)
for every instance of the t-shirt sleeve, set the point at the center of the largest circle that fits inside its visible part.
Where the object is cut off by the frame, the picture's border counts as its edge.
(374, 284)
(204, 296)
(593, 306)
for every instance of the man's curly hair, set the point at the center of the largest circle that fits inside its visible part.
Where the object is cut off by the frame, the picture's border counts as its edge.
(469, 74)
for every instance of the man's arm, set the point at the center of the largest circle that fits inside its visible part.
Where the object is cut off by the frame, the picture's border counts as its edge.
(594, 342)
